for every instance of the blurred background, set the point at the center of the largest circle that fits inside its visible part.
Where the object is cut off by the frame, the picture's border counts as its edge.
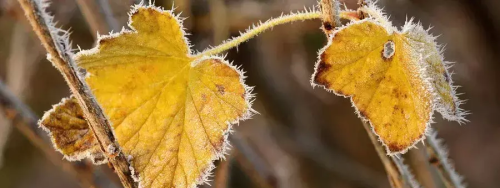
(304, 136)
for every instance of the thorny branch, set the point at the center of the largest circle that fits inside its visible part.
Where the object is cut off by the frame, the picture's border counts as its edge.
(26, 121)
(399, 175)
(60, 54)
(438, 157)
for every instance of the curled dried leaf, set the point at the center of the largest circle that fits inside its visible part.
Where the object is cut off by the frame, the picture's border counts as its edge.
(70, 132)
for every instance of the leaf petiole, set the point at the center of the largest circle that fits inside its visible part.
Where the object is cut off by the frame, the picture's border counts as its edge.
(260, 28)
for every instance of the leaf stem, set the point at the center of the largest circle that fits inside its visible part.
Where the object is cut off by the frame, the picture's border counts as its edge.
(260, 28)
(398, 174)
(255, 30)
(58, 48)
(438, 157)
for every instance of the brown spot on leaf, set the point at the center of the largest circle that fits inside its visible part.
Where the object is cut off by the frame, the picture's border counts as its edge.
(395, 147)
(144, 68)
(220, 88)
(203, 97)
(105, 41)
(396, 108)
(340, 92)
(363, 113)
(320, 70)
(396, 93)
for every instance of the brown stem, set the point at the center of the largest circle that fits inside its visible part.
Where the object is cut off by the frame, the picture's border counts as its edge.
(60, 56)
(222, 173)
(252, 163)
(399, 176)
(26, 122)
(330, 15)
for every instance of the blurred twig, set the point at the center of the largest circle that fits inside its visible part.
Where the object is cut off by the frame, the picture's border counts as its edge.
(218, 15)
(334, 161)
(26, 121)
(399, 176)
(438, 157)
(222, 173)
(408, 177)
(184, 6)
(98, 16)
(60, 53)
(252, 163)
(88, 9)
(111, 21)
(20, 66)
(418, 161)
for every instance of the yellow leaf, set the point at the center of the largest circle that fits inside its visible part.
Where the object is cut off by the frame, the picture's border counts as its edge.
(70, 133)
(171, 112)
(386, 73)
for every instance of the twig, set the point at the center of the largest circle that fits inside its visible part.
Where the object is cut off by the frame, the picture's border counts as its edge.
(438, 157)
(218, 15)
(184, 6)
(417, 160)
(98, 19)
(222, 173)
(60, 54)
(408, 177)
(98, 15)
(252, 163)
(330, 15)
(398, 174)
(26, 121)
(111, 21)
(90, 12)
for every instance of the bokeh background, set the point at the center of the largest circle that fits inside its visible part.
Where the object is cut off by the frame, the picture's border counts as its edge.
(303, 136)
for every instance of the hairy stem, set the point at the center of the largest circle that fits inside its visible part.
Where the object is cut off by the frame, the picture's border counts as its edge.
(60, 54)
(407, 176)
(260, 28)
(399, 176)
(257, 30)
(438, 157)
(26, 122)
